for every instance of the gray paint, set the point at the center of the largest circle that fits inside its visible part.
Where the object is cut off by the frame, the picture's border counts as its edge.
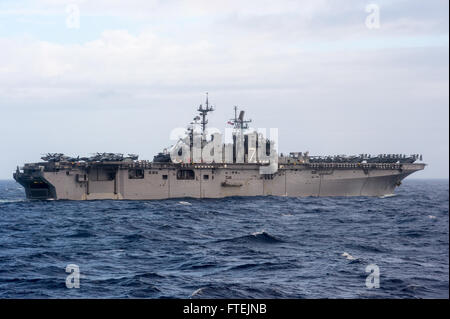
(296, 180)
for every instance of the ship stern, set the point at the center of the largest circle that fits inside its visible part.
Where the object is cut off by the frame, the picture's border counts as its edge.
(35, 185)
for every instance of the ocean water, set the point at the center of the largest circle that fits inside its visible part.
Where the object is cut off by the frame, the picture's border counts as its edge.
(263, 247)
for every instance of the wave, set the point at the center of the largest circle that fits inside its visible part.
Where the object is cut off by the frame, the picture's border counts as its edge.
(199, 291)
(148, 275)
(82, 234)
(7, 201)
(257, 237)
(217, 290)
(412, 233)
(192, 265)
(265, 266)
(368, 248)
(348, 256)
(184, 203)
(238, 291)
(387, 196)
(134, 237)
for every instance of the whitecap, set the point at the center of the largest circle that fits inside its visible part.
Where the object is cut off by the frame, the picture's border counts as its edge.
(197, 292)
(348, 256)
(184, 203)
(387, 196)
(262, 232)
(11, 200)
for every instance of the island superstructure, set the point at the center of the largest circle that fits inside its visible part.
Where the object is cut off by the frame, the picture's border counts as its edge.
(247, 166)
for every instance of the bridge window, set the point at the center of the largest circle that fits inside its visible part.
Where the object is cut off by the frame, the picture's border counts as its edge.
(206, 176)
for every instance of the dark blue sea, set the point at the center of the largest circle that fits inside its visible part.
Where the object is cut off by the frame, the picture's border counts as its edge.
(263, 247)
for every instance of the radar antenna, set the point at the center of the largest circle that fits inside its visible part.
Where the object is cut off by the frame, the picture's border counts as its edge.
(239, 122)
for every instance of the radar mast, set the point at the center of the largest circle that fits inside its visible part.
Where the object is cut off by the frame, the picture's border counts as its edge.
(238, 122)
(203, 113)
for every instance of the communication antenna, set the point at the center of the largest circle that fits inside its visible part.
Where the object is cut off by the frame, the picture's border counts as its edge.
(204, 112)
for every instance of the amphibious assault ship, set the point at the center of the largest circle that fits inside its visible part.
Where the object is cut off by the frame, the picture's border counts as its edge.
(202, 166)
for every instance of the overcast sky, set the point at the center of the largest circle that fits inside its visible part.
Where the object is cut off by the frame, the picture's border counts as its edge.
(126, 73)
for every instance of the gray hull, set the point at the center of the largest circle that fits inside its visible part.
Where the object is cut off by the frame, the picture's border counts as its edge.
(146, 181)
